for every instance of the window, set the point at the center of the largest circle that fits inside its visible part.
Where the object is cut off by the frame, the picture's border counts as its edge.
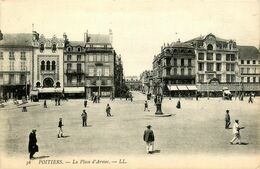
(218, 56)
(78, 79)
(41, 47)
(11, 65)
(242, 70)
(11, 55)
(98, 58)
(209, 66)
(189, 62)
(107, 71)
(175, 62)
(218, 68)
(69, 66)
(78, 57)
(1, 56)
(54, 48)
(218, 76)
(108, 82)
(189, 71)
(232, 57)
(99, 71)
(106, 58)
(69, 80)
(209, 47)
(53, 65)
(248, 79)
(242, 62)
(91, 58)
(1, 77)
(23, 56)
(254, 62)
(210, 76)
(182, 62)
(230, 67)
(248, 61)
(201, 78)
(38, 84)
(201, 56)
(201, 66)
(48, 65)
(68, 57)
(209, 56)
(175, 71)
(254, 79)
(228, 58)
(42, 65)
(22, 79)
(79, 67)
(182, 71)
(79, 49)
(91, 71)
(11, 79)
(23, 67)
(242, 79)
(69, 49)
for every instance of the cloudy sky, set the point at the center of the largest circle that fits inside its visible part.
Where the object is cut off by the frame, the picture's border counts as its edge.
(139, 27)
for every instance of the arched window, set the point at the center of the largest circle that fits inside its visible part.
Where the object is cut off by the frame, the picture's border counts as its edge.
(175, 51)
(79, 49)
(42, 65)
(209, 47)
(53, 66)
(58, 84)
(41, 47)
(68, 49)
(48, 65)
(38, 84)
(54, 48)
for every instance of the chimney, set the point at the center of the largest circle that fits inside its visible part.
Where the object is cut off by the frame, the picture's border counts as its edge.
(86, 37)
(110, 36)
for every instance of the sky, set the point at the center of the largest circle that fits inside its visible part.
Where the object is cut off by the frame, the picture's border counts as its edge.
(140, 27)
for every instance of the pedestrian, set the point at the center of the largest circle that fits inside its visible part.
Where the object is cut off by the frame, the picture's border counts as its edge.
(131, 98)
(227, 119)
(85, 103)
(84, 118)
(178, 106)
(250, 100)
(56, 101)
(98, 99)
(149, 139)
(44, 104)
(145, 105)
(108, 108)
(32, 147)
(236, 132)
(60, 132)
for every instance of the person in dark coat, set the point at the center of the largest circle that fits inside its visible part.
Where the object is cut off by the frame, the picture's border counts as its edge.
(227, 119)
(84, 118)
(56, 101)
(178, 106)
(149, 139)
(250, 100)
(32, 147)
(85, 103)
(60, 132)
(146, 106)
(108, 108)
(44, 104)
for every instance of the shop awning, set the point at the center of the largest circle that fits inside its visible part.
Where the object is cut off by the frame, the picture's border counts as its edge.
(172, 87)
(74, 89)
(192, 87)
(182, 87)
(225, 88)
(34, 92)
(50, 90)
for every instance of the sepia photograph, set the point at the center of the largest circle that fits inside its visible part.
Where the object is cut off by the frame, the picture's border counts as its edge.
(130, 84)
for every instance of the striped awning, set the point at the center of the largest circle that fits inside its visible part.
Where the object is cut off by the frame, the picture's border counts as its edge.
(50, 90)
(172, 87)
(182, 87)
(192, 87)
(74, 89)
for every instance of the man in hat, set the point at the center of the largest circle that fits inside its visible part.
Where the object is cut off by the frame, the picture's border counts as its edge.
(146, 106)
(149, 139)
(84, 118)
(236, 132)
(60, 132)
(108, 108)
(227, 119)
(32, 147)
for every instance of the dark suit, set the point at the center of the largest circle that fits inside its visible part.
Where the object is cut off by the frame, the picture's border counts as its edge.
(149, 139)
(227, 119)
(32, 148)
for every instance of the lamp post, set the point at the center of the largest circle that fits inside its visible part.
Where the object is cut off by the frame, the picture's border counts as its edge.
(26, 83)
(208, 88)
(99, 74)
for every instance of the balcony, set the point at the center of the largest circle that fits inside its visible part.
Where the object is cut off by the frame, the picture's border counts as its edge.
(74, 71)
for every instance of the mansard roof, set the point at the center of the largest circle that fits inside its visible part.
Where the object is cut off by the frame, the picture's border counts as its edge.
(16, 40)
(248, 52)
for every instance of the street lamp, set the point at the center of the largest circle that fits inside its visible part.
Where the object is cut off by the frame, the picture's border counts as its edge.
(99, 74)
(208, 88)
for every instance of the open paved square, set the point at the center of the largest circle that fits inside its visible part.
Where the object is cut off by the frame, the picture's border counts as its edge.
(198, 127)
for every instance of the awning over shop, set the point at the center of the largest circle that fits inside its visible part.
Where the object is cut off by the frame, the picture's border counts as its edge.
(50, 90)
(74, 90)
(172, 87)
(225, 88)
(192, 87)
(34, 92)
(183, 87)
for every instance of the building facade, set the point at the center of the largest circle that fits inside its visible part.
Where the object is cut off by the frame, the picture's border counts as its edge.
(133, 83)
(47, 66)
(99, 67)
(16, 52)
(74, 69)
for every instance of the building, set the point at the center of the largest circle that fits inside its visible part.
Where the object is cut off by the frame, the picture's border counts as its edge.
(249, 69)
(16, 53)
(99, 65)
(74, 69)
(146, 79)
(47, 66)
(174, 70)
(133, 83)
(216, 64)
(119, 81)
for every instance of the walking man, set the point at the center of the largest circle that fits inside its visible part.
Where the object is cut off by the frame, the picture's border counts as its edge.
(84, 118)
(32, 147)
(108, 108)
(236, 132)
(146, 106)
(149, 139)
(44, 104)
(250, 100)
(60, 132)
(85, 103)
(227, 119)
